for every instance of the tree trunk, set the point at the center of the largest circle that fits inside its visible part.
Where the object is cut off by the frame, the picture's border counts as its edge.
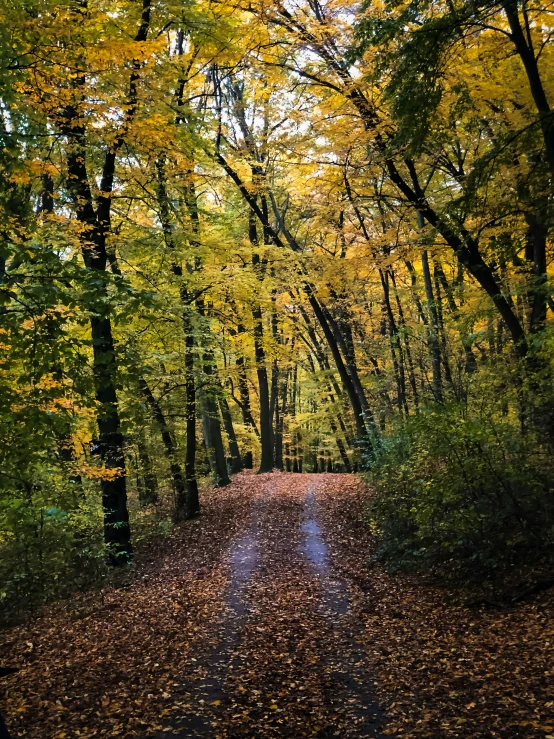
(191, 483)
(407, 349)
(529, 58)
(396, 350)
(236, 462)
(266, 421)
(471, 362)
(245, 406)
(433, 339)
(280, 422)
(170, 451)
(212, 429)
(149, 492)
(442, 334)
(117, 533)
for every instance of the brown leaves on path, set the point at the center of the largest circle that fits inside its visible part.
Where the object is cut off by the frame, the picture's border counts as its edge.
(443, 670)
(287, 683)
(109, 669)
(264, 619)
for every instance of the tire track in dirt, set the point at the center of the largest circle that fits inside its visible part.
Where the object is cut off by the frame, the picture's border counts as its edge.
(350, 672)
(283, 660)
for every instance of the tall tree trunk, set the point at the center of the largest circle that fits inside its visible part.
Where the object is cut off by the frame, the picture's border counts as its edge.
(433, 338)
(212, 428)
(396, 350)
(535, 253)
(266, 435)
(266, 421)
(96, 226)
(117, 534)
(149, 492)
(323, 362)
(407, 349)
(236, 461)
(339, 343)
(192, 506)
(191, 482)
(280, 422)
(442, 334)
(169, 448)
(244, 403)
(524, 46)
(340, 446)
(471, 362)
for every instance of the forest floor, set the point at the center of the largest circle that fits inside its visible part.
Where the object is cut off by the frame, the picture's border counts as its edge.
(264, 619)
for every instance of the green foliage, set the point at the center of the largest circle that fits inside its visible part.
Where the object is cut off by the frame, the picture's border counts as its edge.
(412, 52)
(50, 538)
(465, 491)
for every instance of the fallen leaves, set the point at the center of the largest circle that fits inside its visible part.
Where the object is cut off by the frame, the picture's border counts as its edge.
(245, 626)
(442, 669)
(109, 666)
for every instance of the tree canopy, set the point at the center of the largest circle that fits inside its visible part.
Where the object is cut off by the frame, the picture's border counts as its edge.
(304, 236)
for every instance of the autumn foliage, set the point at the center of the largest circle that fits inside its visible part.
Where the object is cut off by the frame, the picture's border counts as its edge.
(312, 238)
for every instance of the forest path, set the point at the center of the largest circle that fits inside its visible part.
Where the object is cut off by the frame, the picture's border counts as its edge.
(283, 658)
(263, 619)
(247, 622)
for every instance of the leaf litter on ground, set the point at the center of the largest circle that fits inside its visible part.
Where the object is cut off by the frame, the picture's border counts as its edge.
(277, 658)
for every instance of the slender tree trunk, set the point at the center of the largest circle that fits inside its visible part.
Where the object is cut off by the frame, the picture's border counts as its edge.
(471, 362)
(212, 428)
(442, 334)
(192, 506)
(169, 448)
(402, 320)
(245, 406)
(396, 350)
(433, 340)
(281, 411)
(536, 236)
(266, 423)
(325, 366)
(338, 343)
(236, 461)
(191, 483)
(524, 47)
(149, 492)
(266, 464)
(340, 446)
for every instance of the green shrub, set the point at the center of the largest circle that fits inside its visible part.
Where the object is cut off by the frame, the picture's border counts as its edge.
(468, 494)
(50, 542)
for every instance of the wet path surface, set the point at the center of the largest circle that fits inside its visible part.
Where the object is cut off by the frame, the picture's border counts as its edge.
(284, 658)
(353, 683)
(317, 551)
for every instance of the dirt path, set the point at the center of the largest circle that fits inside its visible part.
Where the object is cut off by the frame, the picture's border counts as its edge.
(264, 619)
(284, 659)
